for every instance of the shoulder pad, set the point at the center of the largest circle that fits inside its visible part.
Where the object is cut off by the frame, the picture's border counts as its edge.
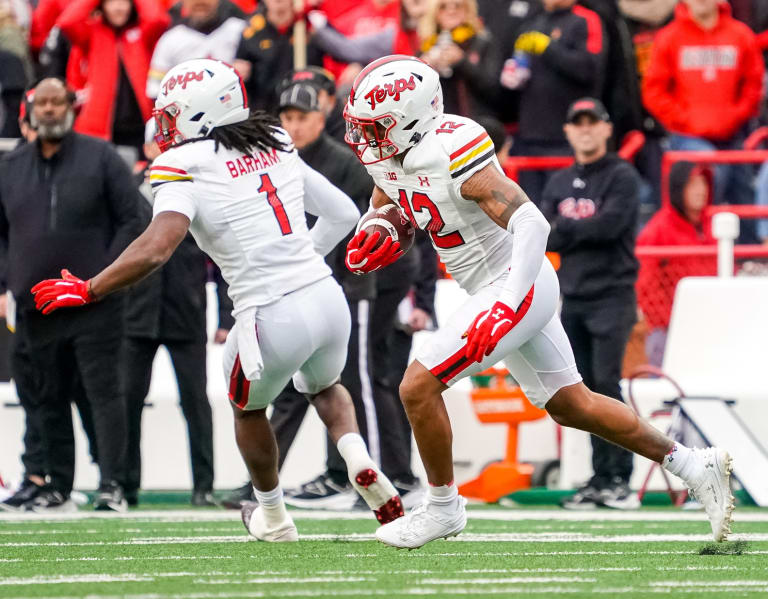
(464, 141)
(171, 166)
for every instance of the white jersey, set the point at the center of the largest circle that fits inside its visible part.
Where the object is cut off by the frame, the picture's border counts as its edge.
(182, 43)
(427, 187)
(247, 213)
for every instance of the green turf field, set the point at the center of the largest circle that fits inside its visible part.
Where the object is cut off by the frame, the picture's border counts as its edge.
(206, 554)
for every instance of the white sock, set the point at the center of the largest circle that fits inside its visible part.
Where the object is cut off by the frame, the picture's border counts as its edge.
(679, 461)
(272, 505)
(444, 495)
(352, 448)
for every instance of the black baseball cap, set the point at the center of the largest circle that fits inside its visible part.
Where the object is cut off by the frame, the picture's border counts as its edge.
(589, 106)
(302, 96)
(319, 77)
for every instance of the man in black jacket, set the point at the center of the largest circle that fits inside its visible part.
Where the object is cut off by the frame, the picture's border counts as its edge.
(560, 56)
(69, 199)
(592, 207)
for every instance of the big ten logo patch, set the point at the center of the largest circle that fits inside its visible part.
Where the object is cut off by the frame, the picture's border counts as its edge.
(576, 209)
(378, 94)
(182, 80)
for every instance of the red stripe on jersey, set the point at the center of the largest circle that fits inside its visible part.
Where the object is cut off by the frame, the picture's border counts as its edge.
(458, 362)
(461, 365)
(446, 366)
(233, 378)
(463, 149)
(245, 392)
(239, 386)
(169, 169)
(594, 28)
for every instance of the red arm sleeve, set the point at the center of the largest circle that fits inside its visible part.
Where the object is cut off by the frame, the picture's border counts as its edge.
(73, 22)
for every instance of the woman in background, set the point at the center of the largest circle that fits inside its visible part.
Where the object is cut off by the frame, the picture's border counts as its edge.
(116, 39)
(683, 221)
(455, 43)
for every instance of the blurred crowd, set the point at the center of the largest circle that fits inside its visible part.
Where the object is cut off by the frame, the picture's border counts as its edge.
(687, 75)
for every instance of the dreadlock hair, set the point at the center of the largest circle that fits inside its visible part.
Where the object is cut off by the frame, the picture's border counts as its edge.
(257, 132)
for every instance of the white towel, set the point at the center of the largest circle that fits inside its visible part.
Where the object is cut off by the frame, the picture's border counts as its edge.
(251, 360)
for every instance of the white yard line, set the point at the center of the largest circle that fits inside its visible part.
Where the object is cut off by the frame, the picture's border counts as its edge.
(365, 592)
(101, 578)
(510, 515)
(546, 537)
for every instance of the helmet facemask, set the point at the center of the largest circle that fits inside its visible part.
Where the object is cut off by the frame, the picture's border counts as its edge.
(369, 137)
(167, 134)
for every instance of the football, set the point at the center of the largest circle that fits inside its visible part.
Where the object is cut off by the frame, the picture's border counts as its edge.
(389, 221)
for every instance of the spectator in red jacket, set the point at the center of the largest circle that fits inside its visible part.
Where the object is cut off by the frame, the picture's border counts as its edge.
(43, 20)
(681, 222)
(117, 38)
(704, 84)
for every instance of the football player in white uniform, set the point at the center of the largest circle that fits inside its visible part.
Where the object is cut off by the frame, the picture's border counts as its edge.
(441, 171)
(235, 181)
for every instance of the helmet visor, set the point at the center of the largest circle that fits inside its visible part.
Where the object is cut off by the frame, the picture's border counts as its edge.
(369, 137)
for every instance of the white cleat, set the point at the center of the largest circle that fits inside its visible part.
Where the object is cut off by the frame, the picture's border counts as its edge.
(256, 524)
(379, 493)
(712, 489)
(423, 524)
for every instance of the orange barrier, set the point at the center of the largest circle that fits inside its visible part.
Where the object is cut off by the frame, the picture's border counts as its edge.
(505, 404)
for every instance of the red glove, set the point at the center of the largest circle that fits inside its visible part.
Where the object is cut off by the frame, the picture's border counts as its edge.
(487, 330)
(60, 293)
(362, 258)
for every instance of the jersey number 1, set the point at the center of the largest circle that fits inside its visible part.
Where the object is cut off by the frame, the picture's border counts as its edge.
(277, 206)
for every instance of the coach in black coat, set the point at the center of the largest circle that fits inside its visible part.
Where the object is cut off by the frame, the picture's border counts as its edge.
(592, 207)
(69, 200)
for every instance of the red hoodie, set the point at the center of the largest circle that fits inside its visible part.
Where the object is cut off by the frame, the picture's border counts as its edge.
(704, 83)
(43, 20)
(658, 277)
(102, 47)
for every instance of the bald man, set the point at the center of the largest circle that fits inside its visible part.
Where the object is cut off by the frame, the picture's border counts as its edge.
(69, 199)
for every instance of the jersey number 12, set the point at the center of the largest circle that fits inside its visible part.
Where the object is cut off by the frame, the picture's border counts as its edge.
(419, 202)
(277, 206)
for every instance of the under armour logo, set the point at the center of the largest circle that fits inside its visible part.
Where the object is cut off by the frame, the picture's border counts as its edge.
(423, 181)
(498, 313)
